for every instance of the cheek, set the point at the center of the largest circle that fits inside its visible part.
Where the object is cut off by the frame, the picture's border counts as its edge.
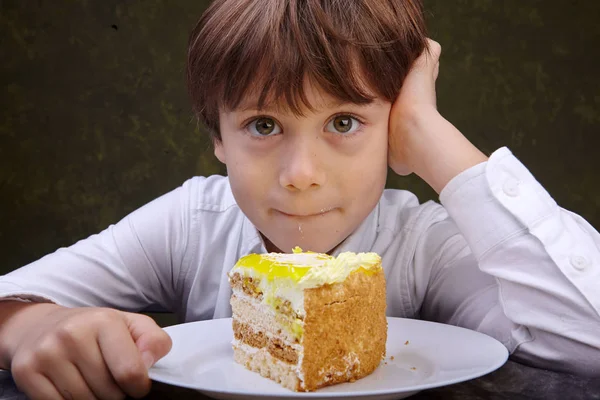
(244, 189)
(368, 180)
(369, 162)
(250, 177)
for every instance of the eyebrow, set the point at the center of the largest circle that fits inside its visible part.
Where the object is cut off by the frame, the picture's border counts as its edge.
(254, 107)
(269, 107)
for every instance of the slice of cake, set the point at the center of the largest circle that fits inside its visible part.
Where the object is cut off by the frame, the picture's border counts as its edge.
(309, 320)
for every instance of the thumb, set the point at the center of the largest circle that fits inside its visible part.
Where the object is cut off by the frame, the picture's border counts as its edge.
(151, 340)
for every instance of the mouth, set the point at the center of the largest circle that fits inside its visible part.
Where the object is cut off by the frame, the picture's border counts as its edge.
(319, 213)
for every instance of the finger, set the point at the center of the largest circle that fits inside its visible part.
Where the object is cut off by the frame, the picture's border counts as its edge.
(436, 71)
(70, 383)
(123, 359)
(402, 169)
(431, 56)
(94, 370)
(397, 166)
(434, 49)
(428, 58)
(47, 366)
(82, 350)
(36, 386)
(148, 336)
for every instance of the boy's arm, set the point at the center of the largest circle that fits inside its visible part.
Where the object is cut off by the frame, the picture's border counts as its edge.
(531, 283)
(129, 266)
(421, 140)
(518, 267)
(79, 351)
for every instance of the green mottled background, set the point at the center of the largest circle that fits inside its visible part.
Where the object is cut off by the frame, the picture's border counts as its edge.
(95, 122)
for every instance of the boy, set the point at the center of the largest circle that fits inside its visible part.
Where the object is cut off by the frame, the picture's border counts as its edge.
(302, 97)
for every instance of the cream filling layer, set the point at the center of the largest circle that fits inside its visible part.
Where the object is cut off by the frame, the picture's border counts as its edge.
(283, 288)
(250, 311)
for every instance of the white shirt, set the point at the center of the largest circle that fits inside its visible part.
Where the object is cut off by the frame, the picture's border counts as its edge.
(499, 257)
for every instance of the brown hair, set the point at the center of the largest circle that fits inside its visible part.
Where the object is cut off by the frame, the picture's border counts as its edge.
(352, 49)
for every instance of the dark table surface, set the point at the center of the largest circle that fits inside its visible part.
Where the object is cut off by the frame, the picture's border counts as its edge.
(511, 381)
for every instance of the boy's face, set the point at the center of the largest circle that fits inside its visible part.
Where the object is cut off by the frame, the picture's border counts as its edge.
(308, 180)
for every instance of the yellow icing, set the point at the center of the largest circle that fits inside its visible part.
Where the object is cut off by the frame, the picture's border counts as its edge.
(272, 269)
(331, 269)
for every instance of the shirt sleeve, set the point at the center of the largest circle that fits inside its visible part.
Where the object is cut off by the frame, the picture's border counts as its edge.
(132, 265)
(518, 267)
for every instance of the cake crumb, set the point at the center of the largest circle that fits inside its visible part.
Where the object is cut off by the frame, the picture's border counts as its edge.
(406, 343)
(392, 358)
(413, 368)
(352, 380)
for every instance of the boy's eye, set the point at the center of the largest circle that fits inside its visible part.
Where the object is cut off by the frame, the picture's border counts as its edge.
(263, 126)
(343, 124)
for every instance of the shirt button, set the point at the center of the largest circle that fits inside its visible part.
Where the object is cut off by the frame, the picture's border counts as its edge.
(579, 262)
(511, 187)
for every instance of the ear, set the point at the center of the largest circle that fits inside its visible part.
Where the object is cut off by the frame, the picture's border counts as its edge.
(219, 150)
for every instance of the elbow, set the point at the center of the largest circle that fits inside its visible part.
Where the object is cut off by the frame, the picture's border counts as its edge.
(561, 354)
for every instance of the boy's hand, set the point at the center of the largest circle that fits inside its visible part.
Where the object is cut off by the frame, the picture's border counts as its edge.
(81, 353)
(420, 139)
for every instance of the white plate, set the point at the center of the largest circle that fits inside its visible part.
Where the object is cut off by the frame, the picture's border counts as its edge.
(425, 355)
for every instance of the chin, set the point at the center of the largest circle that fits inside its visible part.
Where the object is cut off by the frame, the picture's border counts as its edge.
(320, 248)
(306, 245)
(318, 238)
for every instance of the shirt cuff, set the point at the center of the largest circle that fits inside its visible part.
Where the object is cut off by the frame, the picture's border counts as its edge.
(12, 292)
(495, 200)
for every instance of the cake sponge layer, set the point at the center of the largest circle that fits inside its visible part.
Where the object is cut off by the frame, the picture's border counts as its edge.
(345, 330)
(275, 346)
(259, 360)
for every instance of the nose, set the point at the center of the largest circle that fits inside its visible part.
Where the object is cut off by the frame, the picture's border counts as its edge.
(302, 167)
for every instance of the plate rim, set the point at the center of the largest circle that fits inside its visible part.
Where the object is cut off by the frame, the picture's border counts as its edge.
(355, 394)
